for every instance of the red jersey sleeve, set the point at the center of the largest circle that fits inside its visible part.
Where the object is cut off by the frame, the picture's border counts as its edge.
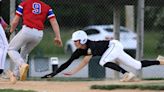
(19, 10)
(51, 14)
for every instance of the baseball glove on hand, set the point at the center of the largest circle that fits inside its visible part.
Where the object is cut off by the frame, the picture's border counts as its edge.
(48, 75)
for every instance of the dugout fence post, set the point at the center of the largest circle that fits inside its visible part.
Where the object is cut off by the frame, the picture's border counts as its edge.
(12, 14)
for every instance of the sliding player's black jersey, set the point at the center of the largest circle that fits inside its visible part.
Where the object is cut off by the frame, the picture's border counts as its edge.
(94, 48)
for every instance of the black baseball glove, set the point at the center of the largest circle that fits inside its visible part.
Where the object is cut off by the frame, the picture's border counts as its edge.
(48, 75)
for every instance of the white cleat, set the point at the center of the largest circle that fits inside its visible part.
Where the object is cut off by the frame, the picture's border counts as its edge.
(127, 77)
(12, 77)
(23, 69)
(160, 59)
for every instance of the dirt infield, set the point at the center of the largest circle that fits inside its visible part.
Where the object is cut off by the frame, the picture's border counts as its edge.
(75, 86)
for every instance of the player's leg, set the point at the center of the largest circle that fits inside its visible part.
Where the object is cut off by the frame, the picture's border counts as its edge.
(111, 54)
(115, 67)
(159, 61)
(3, 49)
(25, 50)
(109, 57)
(1, 71)
(3, 53)
(146, 63)
(12, 77)
(127, 60)
(34, 37)
(14, 45)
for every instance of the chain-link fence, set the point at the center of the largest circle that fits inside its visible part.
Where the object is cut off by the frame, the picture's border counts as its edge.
(73, 16)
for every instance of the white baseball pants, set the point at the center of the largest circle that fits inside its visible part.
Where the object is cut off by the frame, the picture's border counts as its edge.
(3, 47)
(26, 40)
(115, 53)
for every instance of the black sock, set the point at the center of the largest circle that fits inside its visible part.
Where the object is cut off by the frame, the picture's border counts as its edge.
(115, 67)
(146, 63)
(1, 71)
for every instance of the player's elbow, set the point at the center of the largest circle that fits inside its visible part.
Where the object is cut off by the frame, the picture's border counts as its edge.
(14, 24)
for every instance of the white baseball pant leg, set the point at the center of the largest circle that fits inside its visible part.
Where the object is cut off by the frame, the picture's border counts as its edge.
(26, 40)
(3, 47)
(115, 53)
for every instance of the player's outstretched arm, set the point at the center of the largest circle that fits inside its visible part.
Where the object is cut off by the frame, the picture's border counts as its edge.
(61, 68)
(83, 63)
(14, 23)
(55, 27)
(74, 56)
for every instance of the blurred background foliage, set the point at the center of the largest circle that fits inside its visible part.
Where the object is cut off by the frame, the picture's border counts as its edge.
(73, 16)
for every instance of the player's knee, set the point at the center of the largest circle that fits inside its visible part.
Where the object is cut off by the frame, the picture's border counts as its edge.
(137, 67)
(101, 63)
(1, 71)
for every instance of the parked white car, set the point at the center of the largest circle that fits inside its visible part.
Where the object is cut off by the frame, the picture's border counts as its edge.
(104, 32)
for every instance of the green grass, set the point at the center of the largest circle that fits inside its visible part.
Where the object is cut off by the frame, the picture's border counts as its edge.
(150, 86)
(11, 90)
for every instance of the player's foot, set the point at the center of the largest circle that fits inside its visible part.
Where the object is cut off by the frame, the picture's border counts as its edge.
(124, 77)
(127, 77)
(23, 69)
(4, 76)
(12, 77)
(160, 59)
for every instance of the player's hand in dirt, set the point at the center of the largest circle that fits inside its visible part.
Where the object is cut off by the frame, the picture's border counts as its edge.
(68, 74)
(58, 41)
(48, 75)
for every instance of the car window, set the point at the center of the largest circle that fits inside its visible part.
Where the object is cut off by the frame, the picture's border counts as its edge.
(111, 30)
(122, 30)
(91, 31)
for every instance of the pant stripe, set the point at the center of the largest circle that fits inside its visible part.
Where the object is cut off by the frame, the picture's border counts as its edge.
(111, 49)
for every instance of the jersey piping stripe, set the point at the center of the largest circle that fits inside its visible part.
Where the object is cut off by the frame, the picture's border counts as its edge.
(51, 16)
(18, 13)
(19, 10)
(50, 13)
(112, 47)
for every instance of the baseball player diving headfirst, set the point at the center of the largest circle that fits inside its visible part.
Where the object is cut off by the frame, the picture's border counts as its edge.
(110, 52)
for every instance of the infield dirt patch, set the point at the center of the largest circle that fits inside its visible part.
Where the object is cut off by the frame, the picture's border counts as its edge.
(68, 86)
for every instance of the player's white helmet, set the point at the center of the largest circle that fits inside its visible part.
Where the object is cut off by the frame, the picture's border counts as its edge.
(80, 35)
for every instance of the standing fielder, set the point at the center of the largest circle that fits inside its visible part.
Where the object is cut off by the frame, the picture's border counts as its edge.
(3, 44)
(110, 51)
(34, 14)
(3, 41)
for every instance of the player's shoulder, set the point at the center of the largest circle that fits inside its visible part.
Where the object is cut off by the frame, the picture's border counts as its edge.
(23, 3)
(45, 5)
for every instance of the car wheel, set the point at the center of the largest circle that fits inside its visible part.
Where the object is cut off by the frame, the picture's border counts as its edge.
(69, 50)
